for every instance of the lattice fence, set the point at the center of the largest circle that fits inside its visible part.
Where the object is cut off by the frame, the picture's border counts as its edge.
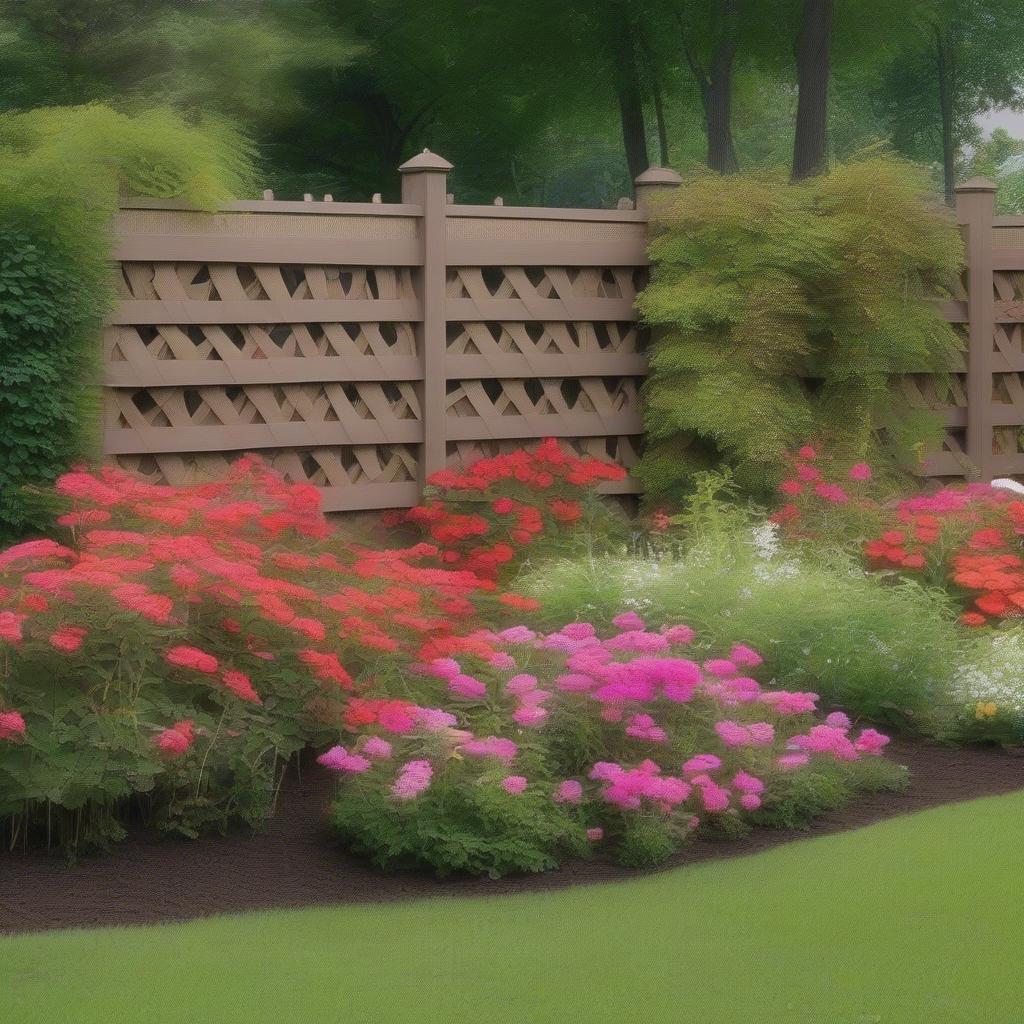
(360, 346)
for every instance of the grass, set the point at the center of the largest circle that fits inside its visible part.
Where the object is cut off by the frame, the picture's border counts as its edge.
(916, 919)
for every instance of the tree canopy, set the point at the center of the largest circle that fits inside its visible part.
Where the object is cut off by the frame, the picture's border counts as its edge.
(538, 102)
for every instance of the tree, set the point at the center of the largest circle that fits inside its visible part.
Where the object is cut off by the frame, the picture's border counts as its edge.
(713, 28)
(813, 61)
(966, 57)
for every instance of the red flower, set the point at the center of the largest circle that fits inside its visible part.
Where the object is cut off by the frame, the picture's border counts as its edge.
(175, 741)
(184, 656)
(11, 725)
(240, 685)
(566, 511)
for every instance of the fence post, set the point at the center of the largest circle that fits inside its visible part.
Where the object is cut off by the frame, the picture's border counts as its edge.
(425, 183)
(975, 207)
(652, 182)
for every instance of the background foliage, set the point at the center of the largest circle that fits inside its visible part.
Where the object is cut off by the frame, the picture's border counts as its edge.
(61, 170)
(785, 311)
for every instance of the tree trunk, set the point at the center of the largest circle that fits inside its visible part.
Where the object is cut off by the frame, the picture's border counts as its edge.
(715, 84)
(813, 63)
(631, 104)
(659, 115)
(717, 98)
(945, 76)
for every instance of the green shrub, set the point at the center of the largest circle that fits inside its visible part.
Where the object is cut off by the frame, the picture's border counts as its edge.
(800, 797)
(61, 171)
(879, 649)
(784, 313)
(646, 842)
(465, 826)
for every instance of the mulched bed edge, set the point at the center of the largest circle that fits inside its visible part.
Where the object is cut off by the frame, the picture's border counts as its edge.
(150, 879)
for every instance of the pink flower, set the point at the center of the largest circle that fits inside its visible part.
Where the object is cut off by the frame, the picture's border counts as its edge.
(10, 626)
(807, 452)
(833, 493)
(435, 719)
(502, 661)
(338, 759)
(517, 635)
(513, 784)
(871, 742)
(750, 801)
(568, 792)
(721, 667)
(398, 718)
(67, 638)
(745, 656)
(732, 734)
(790, 762)
(377, 748)
(595, 835)
(628, 620)
(808, 473)
(11, 725)
(702, 763)
(175, 741)
(413, 779)
(442, 668)
(747, 783)
(861, 471)
(521, 684)
(491, 746)
(467, 686)
(679, 634)
(574, 682)
(837, 720)
(761, 733)
(714, 797)
(529, 715)
(789, 703)
(791, 487)
(637, 640)
(191, 657)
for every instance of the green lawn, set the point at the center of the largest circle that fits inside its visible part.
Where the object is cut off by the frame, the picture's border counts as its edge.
(915, 919)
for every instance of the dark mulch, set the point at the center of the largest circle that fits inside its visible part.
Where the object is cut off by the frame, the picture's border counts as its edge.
(292, 864)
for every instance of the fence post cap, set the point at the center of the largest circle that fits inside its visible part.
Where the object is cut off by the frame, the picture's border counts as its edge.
(425, 161)
(978, 184)
(658, 176)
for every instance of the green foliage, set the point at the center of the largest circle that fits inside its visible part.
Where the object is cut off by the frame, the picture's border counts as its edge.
(797, 798)
(876, 648)
(785, 311)
(647, 841)
(462, 826)
(61, 170)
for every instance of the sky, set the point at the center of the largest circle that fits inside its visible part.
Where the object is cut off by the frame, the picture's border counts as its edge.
(1011, 120)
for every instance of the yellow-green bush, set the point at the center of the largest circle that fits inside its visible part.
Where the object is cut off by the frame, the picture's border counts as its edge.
(784, 312)
(61, 171)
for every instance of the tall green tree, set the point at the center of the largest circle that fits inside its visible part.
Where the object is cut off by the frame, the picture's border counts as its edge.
(966, 57)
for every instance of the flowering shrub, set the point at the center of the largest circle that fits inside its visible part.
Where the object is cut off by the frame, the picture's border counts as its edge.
(963, 538)
(185, 641)
(988, 689)
(487, 517)
(519, 753)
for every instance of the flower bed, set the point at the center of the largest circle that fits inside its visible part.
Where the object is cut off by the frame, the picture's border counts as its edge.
(517, 757)
(181, 644)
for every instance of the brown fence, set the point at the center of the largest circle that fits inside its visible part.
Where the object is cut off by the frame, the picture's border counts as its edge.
(360, 346)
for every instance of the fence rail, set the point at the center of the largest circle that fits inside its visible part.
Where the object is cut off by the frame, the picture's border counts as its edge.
(361, 346)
